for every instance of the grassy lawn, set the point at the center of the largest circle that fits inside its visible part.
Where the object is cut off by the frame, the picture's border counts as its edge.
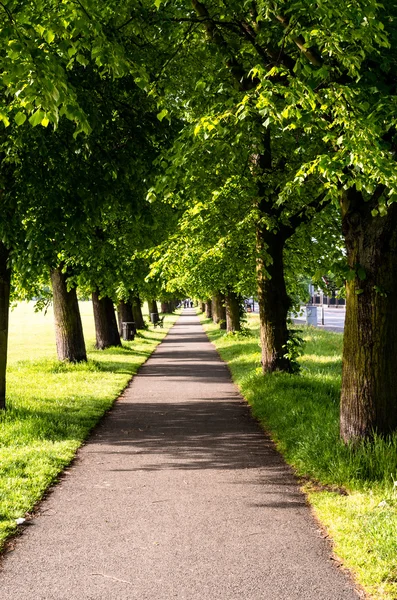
(352, 492)
(53, 406)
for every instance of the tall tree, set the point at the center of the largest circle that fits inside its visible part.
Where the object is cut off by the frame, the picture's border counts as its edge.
(107, 333)
(137, 311)
(124, 314)
(69, 335)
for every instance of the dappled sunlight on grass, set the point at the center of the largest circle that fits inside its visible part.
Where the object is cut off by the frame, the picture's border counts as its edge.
(313, 358)
(364, 529)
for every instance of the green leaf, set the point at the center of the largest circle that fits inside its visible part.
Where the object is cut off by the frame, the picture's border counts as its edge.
(4, 119)
(162, 114)
(82, 60)
(350, 275)
(361, 274)
(20, 118)
(49, 36)
(36, 118)
(157, 3)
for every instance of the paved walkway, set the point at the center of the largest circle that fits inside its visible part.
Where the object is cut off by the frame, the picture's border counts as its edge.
(178, 494)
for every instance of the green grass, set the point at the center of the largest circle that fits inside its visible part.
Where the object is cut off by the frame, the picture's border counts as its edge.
(352, 491)
(53, 406)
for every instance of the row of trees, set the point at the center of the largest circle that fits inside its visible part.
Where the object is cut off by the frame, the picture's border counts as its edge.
(292, 112)
(73, 194)
(258, 133)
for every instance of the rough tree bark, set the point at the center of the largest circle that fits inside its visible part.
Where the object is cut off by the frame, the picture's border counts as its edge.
(202, 306)
(222, 314)
(219, 310)
(208, 309)
(68, 328)
(152, 304)
(232, 302)
(5, 277)
(369, 374)
(137, 312)
(124, 313)
(107, 333)
(273, 299)
(166, 307)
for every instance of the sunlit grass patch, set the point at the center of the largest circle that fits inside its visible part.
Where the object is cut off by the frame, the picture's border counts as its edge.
(52, 406)
(364, 529)
(302, 414)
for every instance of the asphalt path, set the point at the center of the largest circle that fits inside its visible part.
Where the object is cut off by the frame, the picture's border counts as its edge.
(177, 494)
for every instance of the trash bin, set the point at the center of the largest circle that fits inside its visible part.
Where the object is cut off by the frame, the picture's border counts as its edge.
(311, 315)
(128, 330)
(154, 317)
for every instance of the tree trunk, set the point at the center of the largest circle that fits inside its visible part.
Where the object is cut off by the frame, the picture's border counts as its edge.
(137, 312)
(222, 313)
(106, 330)
(202, 307)
(215, 308)
(219, 310)
(208, 309)
(273, 299)
(5, 277)
(369, 373)
(124, 313)
(153, 307)
(166, 307)
(68, 328)
(232, 312)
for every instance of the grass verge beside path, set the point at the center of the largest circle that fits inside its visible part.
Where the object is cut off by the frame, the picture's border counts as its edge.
(53, 406)
(353, 492)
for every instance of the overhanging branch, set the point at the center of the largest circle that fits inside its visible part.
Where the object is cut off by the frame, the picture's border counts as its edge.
(310, 53)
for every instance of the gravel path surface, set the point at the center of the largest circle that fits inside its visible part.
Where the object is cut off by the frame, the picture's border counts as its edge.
(177, 494)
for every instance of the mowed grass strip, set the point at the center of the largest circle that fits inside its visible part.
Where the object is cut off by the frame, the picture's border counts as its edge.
(52, 406)
(353, 492)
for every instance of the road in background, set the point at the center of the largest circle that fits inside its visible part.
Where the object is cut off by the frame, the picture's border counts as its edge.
(332, 317)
